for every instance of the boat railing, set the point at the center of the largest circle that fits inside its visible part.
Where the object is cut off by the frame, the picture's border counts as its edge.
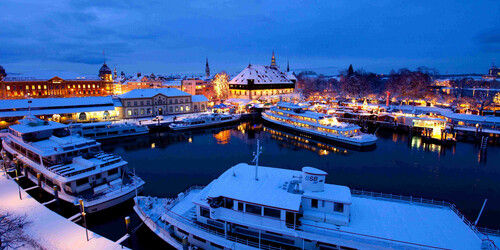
(207, 229)
(410, 199)
(181, 197)
(489, 231)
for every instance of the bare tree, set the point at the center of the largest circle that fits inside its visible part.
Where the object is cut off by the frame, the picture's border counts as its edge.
(12, 234)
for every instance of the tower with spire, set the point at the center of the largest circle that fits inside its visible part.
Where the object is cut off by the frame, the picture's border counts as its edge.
(273, 60)
(207, 70)
(105, 72)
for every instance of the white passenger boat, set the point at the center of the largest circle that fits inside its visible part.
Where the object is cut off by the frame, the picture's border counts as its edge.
(107, 130)
(72, 164)
(296, 117)
(250, 207)
(204, 120)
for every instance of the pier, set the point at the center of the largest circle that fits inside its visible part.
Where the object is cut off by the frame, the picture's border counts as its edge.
(46, 227)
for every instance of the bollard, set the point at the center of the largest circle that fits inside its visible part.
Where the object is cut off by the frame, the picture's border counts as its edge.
(56, 196)
(25, 170)
(39, 182)
(127, 224)
(82, 210)
(185, 245)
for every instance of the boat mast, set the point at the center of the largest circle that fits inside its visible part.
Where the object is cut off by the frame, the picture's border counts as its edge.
(256, 159)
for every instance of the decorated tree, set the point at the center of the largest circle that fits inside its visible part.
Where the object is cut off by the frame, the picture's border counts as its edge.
(221, 85)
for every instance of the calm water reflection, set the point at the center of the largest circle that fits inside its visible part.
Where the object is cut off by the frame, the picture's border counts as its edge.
(170, 162)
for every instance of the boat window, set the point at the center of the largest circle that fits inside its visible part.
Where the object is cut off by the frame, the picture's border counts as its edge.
(314, 203)
(216, 246)
(253, 209)
(240, 206)
(199, 239)
(228, 203)
(272, 212)
(338, 207)
(82, 181)
(113, 171)
(204, 212)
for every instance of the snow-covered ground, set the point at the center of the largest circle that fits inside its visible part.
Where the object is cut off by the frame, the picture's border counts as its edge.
(46, 227)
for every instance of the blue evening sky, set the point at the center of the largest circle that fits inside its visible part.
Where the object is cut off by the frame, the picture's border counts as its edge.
(176, 36)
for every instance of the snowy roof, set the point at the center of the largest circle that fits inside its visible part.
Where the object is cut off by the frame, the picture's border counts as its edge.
(56, 102)
(271, 188)
(47, 125)
(46, 75)
(50, 106)
(199, 98)
(149, 93)
(473, 118)
(261, 74)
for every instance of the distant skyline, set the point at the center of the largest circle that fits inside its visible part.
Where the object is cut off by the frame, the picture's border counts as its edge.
(164, 37)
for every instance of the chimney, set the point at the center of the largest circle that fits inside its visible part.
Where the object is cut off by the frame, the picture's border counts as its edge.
(313, 179)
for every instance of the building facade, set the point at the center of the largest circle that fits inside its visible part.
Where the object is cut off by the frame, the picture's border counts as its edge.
(140, 103)
(260, 82)
(12, 87)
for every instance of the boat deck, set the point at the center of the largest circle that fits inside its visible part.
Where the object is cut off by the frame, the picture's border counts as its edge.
(393, 221)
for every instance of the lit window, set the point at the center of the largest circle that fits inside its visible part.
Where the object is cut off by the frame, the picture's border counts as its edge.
(8, 87)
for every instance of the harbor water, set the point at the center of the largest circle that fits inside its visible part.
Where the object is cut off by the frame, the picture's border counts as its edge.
(170, 162)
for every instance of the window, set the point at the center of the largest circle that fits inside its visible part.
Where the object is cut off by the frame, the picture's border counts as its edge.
(170, 109)
(228, 203)
(82, 181)
(252, 209)
(187, 107)
(272, 212)
(182, 108)
(142, 103)
(128, 104)
(142, 111)
(240, 206)
(204, 212)
(148, 103)
(199, 239)
(149, 111)
(314, 203)
(136, 112)
(135, 103)
(113, 171)
(338, 207)
(129, 112)
(170, 101)
(176, 101)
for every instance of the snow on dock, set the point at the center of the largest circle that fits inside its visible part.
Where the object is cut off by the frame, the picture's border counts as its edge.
(46, 227)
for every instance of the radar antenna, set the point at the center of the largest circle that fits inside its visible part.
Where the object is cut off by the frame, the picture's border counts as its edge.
(256, 159)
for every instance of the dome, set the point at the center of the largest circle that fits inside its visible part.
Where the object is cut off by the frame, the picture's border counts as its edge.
(104, 70)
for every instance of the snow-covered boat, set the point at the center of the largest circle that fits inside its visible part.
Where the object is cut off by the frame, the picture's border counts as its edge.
(254, 207)
(107, 130)
(296, 117)
(204, 120)
(47, 153)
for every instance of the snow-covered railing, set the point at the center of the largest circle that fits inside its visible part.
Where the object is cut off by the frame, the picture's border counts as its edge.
(207, 229)
(410, 199)
(488, 231)
(179, 197)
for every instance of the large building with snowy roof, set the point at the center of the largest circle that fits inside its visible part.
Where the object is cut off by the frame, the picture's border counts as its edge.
(55, 84)
(139, 103)
(261, 82)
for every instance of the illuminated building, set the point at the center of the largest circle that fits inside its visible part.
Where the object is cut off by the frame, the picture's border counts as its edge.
(262, 82)
(160, 101)
(59, 84)
(493, 73)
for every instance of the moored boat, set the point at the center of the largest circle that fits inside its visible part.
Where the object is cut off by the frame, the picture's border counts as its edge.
(74, 166)
(297, 117)
(204, 120)
(107, 130)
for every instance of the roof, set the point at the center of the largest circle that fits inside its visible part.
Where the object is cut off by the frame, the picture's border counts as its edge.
(55, 102)
(43, 125)
(271, 188)
(473, 118)
(199, 98)
(50, 106)
(261, 74)
(149, 93)
(47, 75)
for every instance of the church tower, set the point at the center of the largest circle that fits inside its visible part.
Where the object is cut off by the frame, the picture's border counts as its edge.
(207, 70)
(105, 72)
(273, 60)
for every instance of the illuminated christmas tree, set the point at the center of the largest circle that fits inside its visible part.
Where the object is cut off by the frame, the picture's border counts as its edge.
(221, 85)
